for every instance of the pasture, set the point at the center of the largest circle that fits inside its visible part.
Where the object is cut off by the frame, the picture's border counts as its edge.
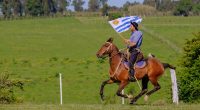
(100, 107)
(37, 50)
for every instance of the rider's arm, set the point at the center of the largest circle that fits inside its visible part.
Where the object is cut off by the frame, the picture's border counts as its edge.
(130, 43)
(134, 39)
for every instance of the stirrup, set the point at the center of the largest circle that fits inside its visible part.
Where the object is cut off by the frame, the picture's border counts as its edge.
(132, 78)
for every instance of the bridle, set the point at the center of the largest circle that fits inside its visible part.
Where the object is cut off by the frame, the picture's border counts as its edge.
(110, 56)
(110, 46)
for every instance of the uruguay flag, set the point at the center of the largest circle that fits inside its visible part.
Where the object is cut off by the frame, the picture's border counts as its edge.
(123, 24)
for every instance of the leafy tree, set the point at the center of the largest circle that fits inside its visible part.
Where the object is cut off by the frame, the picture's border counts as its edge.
(7, 86)
(1, 2)
(127, 4)
(103, 2)
(157, 3)
(114, 8)
(17, 6)
(62, 4)
(35, 7)
(166, 5)
(78, 5)
(195, 1)
(24, 6)
(150, 2)
(46, 9)
(190, 74)
(105, 10)
(52, 6)
(94, 5)
(196, 9)
(183, 8)
(6, 8)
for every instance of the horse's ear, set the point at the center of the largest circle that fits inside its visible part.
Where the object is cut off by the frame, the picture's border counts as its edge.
(110, 40)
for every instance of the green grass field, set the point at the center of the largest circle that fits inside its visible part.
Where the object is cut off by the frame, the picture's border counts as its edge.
(100, 107)
(36, 50)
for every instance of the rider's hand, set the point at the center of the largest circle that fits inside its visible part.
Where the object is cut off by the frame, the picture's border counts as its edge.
(126, 41)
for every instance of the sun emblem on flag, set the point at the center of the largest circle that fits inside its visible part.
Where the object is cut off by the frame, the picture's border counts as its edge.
(116, 22)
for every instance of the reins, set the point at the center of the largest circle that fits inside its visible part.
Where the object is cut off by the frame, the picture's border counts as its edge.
(111, 49)
(110, 46)
(117, 67)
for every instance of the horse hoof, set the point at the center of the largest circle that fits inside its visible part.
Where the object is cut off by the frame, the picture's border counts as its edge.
(130, 96)
(132, 103)
(102, 98)
(146, 97)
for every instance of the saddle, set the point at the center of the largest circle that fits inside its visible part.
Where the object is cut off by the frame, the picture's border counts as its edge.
(140, 61)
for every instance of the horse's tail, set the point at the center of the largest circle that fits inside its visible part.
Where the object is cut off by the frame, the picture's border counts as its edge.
(166, 65)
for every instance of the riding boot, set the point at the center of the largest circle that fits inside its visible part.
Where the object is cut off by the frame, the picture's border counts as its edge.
(132, 60)
(131, 74)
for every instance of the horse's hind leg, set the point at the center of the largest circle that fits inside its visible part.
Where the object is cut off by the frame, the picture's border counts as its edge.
(156, 88)
(145, 81)
(102, 87)
(122, 85)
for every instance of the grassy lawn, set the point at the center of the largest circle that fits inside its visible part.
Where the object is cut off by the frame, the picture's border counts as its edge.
(36, 50)
(100, 107)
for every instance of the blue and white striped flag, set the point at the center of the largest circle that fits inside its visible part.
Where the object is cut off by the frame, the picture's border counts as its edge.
(123, 24)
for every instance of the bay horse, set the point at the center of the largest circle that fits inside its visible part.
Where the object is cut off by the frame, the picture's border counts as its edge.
(119, 73)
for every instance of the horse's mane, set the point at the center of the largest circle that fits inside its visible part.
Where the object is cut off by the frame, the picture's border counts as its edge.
(115, 47)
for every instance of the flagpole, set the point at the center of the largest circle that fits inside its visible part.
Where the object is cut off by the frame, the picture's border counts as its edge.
(121, 36)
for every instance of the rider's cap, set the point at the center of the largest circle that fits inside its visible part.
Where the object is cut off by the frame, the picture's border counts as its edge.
(135, 25)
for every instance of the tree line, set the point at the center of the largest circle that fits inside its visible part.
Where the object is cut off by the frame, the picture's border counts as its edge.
(33, 7)
(50, 7)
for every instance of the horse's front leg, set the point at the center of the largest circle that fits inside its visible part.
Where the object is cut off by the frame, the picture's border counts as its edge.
(122, 85)
(102, 87)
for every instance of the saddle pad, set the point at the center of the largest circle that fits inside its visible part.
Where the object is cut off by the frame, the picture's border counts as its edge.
(126, 64)
(140, 64)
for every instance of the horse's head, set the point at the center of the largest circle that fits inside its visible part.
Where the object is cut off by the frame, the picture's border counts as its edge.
(106, 48)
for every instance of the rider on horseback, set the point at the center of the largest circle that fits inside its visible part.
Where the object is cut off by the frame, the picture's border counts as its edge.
(134, 44)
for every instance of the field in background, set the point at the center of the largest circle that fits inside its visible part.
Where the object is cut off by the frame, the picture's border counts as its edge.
(36, 50)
